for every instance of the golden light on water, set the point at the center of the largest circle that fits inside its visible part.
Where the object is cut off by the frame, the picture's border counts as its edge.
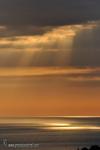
(60, 124)
(53, 124)
(73, 128)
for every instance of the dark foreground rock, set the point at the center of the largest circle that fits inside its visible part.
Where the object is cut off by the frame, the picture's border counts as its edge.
(94, 147)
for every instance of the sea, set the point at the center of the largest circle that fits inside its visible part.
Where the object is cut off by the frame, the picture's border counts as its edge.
(49, 133)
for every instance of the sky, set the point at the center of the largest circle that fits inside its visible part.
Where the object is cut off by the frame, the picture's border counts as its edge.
(49, 57)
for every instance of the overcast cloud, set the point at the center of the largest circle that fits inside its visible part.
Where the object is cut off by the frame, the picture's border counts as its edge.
(49, 33)
(23, 14)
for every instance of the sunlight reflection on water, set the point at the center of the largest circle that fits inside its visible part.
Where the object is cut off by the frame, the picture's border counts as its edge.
(52, 132)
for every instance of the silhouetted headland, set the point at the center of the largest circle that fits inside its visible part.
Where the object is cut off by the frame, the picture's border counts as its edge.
(94, 147)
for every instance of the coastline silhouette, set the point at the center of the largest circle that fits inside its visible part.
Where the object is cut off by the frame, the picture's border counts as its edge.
(94, 147)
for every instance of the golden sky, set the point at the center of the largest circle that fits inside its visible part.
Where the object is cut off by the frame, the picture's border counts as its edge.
(54, 73)
(49, 91)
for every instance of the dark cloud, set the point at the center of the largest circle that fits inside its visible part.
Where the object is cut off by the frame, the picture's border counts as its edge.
(27, 30)
(36, 17)
(26, 13)
(86, 48)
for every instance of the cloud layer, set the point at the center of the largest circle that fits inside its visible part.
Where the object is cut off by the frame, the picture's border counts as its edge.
(46, 12)
(49, 33)
(23, 16)
(86, 47)
(69, 45)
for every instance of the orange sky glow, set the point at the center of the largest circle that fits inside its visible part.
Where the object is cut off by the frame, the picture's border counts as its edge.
(53, 72)
(49, 91)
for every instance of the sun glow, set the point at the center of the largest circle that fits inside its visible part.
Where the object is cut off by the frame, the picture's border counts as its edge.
(60, 124)
(73, 128)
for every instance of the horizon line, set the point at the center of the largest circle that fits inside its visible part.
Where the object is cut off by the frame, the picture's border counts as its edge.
(76, 116)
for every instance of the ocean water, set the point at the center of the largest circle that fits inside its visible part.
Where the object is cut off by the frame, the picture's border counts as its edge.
(49, 133)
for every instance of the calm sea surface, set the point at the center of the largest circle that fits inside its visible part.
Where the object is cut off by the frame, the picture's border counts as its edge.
(49, 133)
